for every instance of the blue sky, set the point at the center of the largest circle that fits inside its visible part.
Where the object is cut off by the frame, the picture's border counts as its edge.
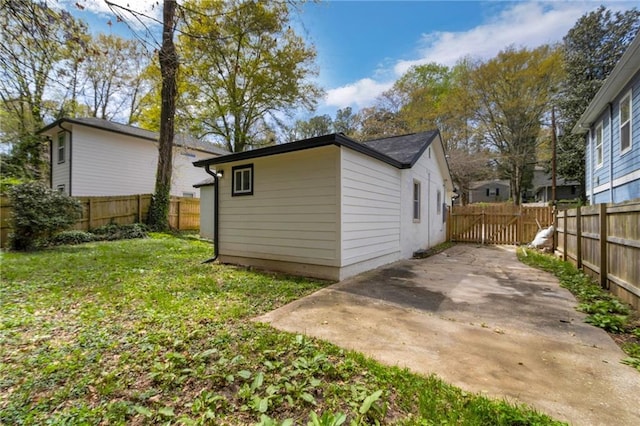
(364, 46)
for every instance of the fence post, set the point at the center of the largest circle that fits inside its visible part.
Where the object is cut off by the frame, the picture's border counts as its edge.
(90, 214)
(139, 208)
(564, 235)
(579, 238)
(178, 225)
(604, 281)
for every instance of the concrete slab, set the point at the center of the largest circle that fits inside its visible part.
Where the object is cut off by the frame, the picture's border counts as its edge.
(481, 320)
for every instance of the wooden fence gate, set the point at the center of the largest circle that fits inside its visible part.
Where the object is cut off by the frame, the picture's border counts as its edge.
(497, 223)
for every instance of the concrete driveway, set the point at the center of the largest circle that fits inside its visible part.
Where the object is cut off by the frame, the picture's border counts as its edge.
(481, 320)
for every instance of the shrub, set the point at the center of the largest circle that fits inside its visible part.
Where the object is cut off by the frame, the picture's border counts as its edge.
(113, 231)
(39, 212)
(72, 237)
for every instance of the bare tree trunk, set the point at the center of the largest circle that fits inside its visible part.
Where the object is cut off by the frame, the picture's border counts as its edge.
(159, 209)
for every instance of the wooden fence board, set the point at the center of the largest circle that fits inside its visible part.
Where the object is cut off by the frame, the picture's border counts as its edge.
(184, 213)
(497, 223)
(604, 240)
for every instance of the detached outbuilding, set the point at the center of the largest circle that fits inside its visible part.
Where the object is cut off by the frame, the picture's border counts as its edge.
(330, 207)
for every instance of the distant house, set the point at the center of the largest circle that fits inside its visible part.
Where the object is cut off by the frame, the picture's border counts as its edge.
(543, 191)
(95, 157)
(489, 191)
(611, 124)
(330, 207)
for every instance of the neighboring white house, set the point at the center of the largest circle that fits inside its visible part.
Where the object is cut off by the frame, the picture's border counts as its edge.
(331, 207)
(611, 124)
(96, 157)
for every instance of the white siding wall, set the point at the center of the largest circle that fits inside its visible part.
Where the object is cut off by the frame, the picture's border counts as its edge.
(293, 214)
(207, 194)
(370, 210)
(430, 230)
(107, 163)
(60, 171)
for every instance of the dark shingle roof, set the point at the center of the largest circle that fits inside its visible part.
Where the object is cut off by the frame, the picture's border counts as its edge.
(406, 148)
(110, 126)
(400, 151)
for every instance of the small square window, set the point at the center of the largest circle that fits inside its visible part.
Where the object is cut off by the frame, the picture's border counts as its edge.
(242, 180)
(61, 147)
(60, 188)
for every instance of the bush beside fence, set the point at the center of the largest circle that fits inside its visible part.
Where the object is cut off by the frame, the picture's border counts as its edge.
(184, 213)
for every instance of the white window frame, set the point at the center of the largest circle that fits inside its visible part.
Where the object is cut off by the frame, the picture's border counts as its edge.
(62, 147)
(628, 122)
(416, 200)
(598, 149)
(188, 194)
(244, 176)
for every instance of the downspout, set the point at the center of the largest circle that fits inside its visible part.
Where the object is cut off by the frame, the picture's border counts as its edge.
(70, 157)
(50, 162)
(207, 169)
(610, 152)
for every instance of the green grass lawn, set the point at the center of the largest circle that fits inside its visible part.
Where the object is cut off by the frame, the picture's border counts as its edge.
(141, 332)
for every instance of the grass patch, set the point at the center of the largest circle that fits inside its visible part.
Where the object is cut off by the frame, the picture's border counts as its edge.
(603, 309)
(141, 332)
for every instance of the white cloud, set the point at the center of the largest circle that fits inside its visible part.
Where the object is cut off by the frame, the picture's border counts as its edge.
(525, 24)
(138, 14)
(361, 93)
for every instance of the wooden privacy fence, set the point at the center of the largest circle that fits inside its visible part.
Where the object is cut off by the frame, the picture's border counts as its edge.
(497, 223)
(604, 241)
(184, 213)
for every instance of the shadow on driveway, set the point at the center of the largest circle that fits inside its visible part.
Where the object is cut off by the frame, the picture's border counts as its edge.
(483, 321)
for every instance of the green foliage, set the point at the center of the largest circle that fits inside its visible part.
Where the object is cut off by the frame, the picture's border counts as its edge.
(243, 62)
(39, 212)
(120, 232)
(591, 49)
(141, 332)
(72, 237)
(604, 310)
(633, 350)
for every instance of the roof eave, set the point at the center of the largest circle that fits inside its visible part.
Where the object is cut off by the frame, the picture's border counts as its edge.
(622, 73)
(331, 139)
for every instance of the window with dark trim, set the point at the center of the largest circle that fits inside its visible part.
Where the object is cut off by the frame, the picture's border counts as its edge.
(439, 201)
(625, 123)
(61, 147)
(60, 188)
(416, 200)
(242, 180)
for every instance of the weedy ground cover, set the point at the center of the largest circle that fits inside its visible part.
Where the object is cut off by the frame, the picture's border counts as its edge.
(603, 309)
(141, 332)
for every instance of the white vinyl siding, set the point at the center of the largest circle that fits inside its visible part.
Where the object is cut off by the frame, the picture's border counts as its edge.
(107, 163)
(370, 208)
(625, 123)
(293, 213)
(60, 170)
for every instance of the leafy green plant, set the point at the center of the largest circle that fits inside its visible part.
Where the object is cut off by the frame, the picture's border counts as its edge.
(609, 322)
(633, 350)
(326, 419)
(114, 231)
(38, 213)
(72, 237)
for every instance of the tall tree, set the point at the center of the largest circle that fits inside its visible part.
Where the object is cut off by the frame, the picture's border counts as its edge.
(114, 71)
(346, 122)
(34, 41)
(168, 59)
(591, 50)
(243, 62)
(512, 93)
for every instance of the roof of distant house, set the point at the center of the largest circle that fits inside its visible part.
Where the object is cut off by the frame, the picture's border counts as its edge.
(399, 151)
(125, 129)
(479, 183)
